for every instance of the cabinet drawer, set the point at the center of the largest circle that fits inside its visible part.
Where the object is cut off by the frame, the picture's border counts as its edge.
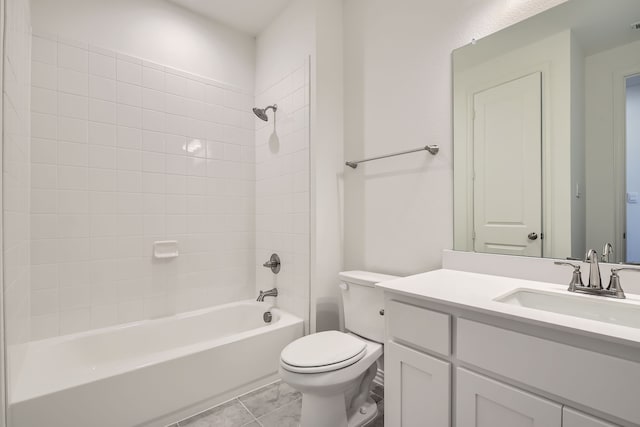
(602, 382)
(419, 326)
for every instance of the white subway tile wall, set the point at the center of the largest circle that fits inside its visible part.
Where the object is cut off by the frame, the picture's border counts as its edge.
(282, 189)
(123, 153)
(15, 178)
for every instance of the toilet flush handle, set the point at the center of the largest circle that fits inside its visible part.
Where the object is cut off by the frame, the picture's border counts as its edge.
(344, 286)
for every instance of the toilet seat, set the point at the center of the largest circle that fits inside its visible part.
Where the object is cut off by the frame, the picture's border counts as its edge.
(322, 352)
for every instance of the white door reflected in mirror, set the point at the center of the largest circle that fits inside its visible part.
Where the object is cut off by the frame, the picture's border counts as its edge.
(507, 175)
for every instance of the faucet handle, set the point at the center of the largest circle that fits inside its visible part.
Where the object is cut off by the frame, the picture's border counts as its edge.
(576, 267)
(614, 281)
(576, 278)
(615, 270)
(273, 263)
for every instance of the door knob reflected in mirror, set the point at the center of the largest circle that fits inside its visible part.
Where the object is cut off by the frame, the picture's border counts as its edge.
(533, 236)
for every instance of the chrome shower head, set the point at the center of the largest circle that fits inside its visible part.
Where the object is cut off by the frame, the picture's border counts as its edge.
(261, 113)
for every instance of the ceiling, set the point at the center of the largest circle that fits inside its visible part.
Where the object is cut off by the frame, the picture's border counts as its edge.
(596, 25)
(249, 16)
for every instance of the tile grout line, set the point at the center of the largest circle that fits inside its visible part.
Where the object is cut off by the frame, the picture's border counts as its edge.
(247, 409)
(270, 412)
(179, 423)
(278, 408)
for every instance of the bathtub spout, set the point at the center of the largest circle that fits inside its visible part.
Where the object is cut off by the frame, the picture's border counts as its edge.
(270, 293)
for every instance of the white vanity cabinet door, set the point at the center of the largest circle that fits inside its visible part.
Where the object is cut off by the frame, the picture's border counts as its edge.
(573, 418)
(483, 402)
(417, 389)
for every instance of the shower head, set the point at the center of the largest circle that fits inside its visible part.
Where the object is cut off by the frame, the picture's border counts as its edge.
(261, 113)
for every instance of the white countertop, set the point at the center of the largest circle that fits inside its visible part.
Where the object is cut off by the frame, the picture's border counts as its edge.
(476, 292)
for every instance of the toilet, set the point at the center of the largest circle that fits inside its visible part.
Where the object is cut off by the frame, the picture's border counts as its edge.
(335, 370)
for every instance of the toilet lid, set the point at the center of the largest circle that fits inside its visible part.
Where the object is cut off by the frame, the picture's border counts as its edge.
(322, 351)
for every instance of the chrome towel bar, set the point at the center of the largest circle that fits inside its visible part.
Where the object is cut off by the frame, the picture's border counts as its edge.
(433, 149)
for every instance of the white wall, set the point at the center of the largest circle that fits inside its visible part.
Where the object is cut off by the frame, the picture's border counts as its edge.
(313, 29)
(398, 212)
(15, 179)
(3, 344)
(155, 30)
(577, 193)
(327, 156)
(282, 190)
(604, 117)
(280, 47)
(119, 88)
(284, 51)
(633, 171)
(15, 185)
(125, 153)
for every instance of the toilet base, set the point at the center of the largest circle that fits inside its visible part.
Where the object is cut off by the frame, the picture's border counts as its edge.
(330, 411)
(360, 419)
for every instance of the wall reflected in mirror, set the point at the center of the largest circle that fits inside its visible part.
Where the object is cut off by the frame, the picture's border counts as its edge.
(547, 135)
(632, 139)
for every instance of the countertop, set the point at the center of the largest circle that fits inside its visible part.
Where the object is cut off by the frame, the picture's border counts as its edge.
(476, 292)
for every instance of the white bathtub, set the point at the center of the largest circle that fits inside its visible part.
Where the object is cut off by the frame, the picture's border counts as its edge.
(148, 373)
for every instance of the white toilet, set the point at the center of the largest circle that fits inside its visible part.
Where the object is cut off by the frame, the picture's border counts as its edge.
(334, 370)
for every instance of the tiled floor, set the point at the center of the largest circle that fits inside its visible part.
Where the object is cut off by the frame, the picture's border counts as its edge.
(274, 405)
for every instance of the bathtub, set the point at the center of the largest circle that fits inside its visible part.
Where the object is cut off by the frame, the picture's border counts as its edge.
(148, 373)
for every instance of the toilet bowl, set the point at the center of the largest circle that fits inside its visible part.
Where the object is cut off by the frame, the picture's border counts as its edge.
(335, 370)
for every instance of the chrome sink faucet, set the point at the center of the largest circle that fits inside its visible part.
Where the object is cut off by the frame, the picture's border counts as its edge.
(270, 293)
(594, 286)
(595, 281)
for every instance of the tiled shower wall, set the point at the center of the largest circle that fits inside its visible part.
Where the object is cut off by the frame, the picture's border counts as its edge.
(124, 153)
(15, 177)
(282, 189)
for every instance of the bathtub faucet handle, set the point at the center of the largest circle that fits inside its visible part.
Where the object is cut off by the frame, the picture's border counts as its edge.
(270, 293)
(273, 263)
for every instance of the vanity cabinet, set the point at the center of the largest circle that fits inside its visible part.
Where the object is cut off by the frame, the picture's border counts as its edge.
(417, 388)
(483, 402)
(446, 366)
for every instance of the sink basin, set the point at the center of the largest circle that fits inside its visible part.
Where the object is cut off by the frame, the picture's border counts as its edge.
(598, 308)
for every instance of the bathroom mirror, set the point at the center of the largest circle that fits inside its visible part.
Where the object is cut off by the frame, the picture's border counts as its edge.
(546, 120)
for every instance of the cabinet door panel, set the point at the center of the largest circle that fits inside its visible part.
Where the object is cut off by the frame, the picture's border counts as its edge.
(573, 418)
(483, 402)
(417, 389)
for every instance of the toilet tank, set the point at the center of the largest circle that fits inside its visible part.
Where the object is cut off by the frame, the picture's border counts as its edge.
(362, 303)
